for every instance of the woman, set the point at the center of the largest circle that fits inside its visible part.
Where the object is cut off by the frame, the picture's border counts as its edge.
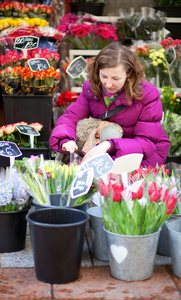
(116, 77)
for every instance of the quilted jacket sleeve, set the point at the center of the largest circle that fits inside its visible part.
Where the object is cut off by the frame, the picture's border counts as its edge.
(65, 128)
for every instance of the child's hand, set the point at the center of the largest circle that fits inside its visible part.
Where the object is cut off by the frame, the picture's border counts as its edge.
(70, 147)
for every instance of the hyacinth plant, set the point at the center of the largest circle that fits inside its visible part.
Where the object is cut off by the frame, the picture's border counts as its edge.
(143, 206)
(45, 177)
(13, 194)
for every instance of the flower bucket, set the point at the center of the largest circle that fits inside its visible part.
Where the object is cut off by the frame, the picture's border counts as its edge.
(174, 233)
(56, 201)
(98, 236)
(132, 258)
(163, 242)
(13, 230)
(57, 237)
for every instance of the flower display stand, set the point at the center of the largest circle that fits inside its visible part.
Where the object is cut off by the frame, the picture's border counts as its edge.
(26, 152)
(30, 109)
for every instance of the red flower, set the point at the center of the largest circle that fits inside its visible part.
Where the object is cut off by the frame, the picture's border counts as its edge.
(152, 188)
(138, 194)
(153, 192)
(171, 202)
(116, 193)
(104, 189)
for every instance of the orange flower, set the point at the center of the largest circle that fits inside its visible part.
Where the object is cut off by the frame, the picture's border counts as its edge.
(10, 128)
(37, 126)
(1, 131)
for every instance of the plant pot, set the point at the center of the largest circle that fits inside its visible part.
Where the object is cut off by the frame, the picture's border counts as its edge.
(57, 237)
(132, 258)
(163, 242)
(29, 109)
(98, 236)
(174, 233)
(87, 7)
(13, 230)
(57, 201)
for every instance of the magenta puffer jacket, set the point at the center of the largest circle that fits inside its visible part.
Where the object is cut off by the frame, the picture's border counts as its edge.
(140, 121)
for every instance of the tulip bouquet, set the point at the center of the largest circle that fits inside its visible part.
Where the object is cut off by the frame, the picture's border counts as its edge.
(11, 134)
(51, 56)
(43, 178)
(143, 206)
(21, 80)
(13, 194)
(17, 9)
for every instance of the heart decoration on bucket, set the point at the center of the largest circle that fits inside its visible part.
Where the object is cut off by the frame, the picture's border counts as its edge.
(119, 253)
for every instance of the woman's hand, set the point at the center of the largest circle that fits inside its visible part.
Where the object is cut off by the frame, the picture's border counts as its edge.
(70, 147)
(99, 149)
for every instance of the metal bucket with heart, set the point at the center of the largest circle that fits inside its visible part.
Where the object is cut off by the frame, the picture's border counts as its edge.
(132, 258)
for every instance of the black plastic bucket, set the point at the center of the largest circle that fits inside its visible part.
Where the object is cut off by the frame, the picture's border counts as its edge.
(13, 230)
(57, 202)
(57, 237)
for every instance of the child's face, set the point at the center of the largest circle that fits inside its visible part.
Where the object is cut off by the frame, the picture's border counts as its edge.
(113, 79)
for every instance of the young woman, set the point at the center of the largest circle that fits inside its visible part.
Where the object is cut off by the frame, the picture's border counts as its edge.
(116, 78)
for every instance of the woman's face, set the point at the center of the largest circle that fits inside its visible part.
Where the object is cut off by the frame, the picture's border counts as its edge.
(113, 79)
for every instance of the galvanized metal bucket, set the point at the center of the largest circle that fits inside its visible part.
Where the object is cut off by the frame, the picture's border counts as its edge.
(132, 258)
(163, 242)
(174, 233)
(98, 235)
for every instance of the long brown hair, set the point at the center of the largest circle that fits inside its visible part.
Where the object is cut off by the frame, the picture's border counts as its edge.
(110, 57)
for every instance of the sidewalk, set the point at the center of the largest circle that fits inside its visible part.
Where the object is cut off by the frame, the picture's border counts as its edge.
(18, 280)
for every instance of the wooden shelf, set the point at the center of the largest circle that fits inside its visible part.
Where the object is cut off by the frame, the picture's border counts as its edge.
(112, 19)
(77, 52)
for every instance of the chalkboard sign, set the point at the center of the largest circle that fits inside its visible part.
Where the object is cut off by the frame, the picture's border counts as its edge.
(38, 64)
(170, 56)
(27, 129)
(82, 183)
(76, 67)
(9, 149)
(26, 42)
(101, 164)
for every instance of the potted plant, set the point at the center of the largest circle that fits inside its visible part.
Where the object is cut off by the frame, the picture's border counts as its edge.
(133, 216)
(94, 7)
(14, 205)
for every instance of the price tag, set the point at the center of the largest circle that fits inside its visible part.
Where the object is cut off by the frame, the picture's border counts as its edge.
(170, 56)
(38, 64)
(8, 149)
(82, 183)
(27, 129)
(101, 164)
(76, 67)
(26, 42)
